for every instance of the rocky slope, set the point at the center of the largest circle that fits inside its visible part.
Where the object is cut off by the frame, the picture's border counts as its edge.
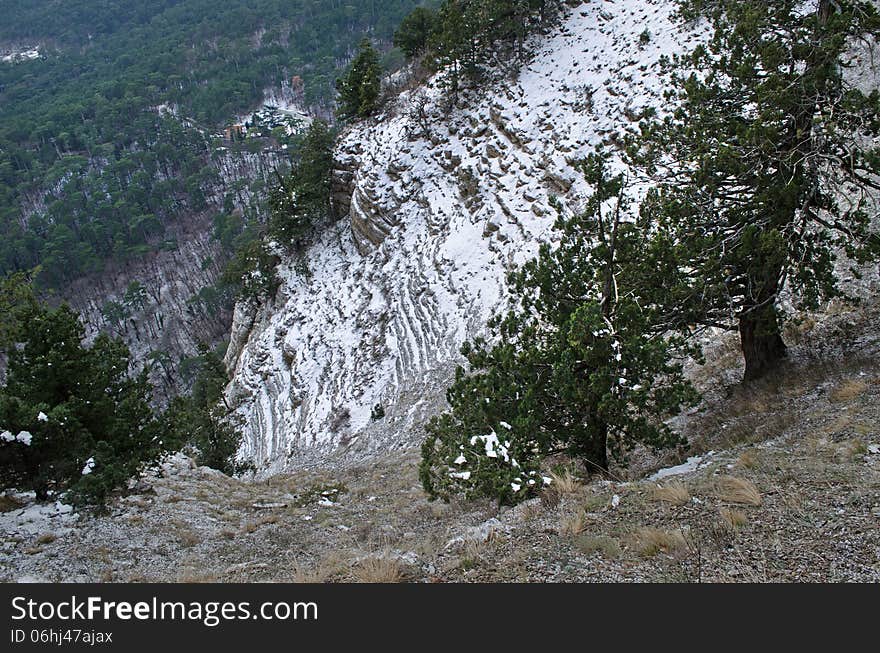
(171, 320)
(437, 209)
(781, 484)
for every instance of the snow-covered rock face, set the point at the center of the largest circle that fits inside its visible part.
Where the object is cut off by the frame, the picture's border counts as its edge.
(18, 55)
(441, 208)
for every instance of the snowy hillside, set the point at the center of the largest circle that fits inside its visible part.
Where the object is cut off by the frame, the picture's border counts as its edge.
(441, 208)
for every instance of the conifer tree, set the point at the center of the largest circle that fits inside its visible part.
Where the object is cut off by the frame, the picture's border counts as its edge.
(768, 167)
(360, 86)
(302, 198)
(17, 304)
(472, 36)
(415, 32)
(584, 364)
(71, 417)
(201, 418)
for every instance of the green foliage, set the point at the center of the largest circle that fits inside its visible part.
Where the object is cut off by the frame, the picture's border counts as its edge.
(17, 304)
(583, 364)
(415, 31)
(299, 202)
(91, 426)
(360, 86)
(468, 36)
(302, 199)
(773, 172)
(200, 419)
(110, 123)
(252, 272)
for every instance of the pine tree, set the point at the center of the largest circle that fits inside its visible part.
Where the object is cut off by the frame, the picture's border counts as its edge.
(415, 32)
(360, 87)
(470, 37)
(17, 304)
(201, 418)
(302, 198)
(72, 418)
(584, 363)
(767, 168)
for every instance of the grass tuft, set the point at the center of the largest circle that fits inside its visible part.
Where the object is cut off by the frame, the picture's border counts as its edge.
(734, 519)
(673, 492)
(848, 390)
(573, 524)
(379, 570)
(651, 541)
(738, 490)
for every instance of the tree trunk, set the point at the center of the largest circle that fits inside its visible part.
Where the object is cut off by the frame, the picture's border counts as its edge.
(593, 450)
(761, 341)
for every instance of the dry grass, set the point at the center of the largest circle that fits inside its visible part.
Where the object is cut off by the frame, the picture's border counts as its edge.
(47, 538)
(188, 538)
(531, 512)
(195, 576)
(565, 483)
(334, 564)
(8, 503)
(734, 519)
(651, 541)
(379, 569)
(561, 485)
(738, 490)
(852, 450)
(848, 390)
(748, 459)
(673, 492)
(310, 575)
(573, 524)
(262, 520)
(594, 503)
(591, 544)
(472, 555)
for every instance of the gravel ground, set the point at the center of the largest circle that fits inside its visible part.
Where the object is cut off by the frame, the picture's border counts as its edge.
(786, 487)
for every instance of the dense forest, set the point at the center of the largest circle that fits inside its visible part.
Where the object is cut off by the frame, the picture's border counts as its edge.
(105, 139)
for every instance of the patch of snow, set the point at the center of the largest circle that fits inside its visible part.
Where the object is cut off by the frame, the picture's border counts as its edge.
(692, 465)
(37, 518)
(19, 56)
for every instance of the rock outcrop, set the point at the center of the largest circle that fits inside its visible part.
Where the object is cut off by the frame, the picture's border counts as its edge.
(438, 207)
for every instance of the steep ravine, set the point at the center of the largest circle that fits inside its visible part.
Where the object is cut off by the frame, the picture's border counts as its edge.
(437, 208)
(170, 320)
